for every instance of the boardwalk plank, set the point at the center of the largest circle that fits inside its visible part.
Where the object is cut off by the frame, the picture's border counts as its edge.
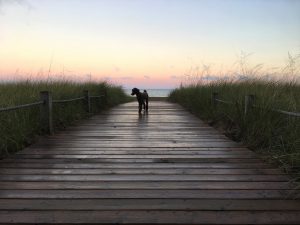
(140, 171)
(151, 217)
(144, 177)
(72, 151)
(161, 165)
(158, 185)
(149, 193)
(136, 160)
(149, 204)
(136, 156)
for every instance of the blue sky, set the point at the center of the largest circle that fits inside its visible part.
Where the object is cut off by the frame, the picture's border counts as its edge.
(142, 41)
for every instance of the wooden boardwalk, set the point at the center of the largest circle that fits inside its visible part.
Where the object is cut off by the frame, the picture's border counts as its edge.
(165, 167)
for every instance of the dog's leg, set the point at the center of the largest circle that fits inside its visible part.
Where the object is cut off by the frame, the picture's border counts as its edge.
(146, 104)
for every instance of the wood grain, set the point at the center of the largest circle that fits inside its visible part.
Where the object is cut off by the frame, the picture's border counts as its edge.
(164, 167)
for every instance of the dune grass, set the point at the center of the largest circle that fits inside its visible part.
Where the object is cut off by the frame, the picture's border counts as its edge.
(275, 135)
(22, 127)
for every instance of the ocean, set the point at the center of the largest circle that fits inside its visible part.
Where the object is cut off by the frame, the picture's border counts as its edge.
(153, 92)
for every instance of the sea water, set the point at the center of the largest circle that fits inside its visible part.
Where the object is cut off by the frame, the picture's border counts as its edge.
(154, 92)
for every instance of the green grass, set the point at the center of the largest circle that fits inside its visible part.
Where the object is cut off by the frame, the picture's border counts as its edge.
(22, 127)
(275, 135)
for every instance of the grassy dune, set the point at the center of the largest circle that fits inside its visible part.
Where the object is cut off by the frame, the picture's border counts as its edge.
(21, 127)
(273, 134)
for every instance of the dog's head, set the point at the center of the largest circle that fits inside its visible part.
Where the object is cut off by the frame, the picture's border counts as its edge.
(135, 91)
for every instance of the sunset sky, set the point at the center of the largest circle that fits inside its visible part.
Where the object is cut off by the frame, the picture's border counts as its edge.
(144, 43)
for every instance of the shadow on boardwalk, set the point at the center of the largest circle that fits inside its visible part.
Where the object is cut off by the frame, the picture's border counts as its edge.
(164, 167)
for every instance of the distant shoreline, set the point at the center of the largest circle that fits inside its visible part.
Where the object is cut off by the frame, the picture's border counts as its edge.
(153, 92)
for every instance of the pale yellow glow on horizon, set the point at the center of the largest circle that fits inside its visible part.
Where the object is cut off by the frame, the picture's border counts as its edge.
(139, 45)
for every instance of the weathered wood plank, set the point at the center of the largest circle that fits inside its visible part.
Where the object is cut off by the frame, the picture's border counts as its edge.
(150, 193)
(136, 156)
(141, 139)
(72, 151)
(151, 217)
(150, 204)
(139, 171)
(135, 160)
(158, 185)
(127, 137)
(142, 144)
(186, 149)
(144, 177)
(160, 165)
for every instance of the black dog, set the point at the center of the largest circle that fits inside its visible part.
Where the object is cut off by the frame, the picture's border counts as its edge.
(141, 98)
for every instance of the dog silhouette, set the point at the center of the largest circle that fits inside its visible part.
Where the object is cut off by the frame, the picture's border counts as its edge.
(142, 99)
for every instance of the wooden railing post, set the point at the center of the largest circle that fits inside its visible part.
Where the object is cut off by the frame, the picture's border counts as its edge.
(214, 96)
(249, 101)
(46, 112)
(86, 94)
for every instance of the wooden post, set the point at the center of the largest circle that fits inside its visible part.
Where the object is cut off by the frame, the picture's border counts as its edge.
(46, 112)
(86, 94)
(249, 101)
(214, 96)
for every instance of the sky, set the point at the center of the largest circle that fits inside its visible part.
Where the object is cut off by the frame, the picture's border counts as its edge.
(143, 43)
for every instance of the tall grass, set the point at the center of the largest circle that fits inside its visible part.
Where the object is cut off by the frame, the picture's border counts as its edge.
(21, 127)
(268, 132)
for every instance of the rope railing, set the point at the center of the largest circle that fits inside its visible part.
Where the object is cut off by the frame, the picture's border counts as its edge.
(41, 102)
(68, 100)
(21, 106)
(97, 96)
(225, 102)
(46, 107)
(249, 103)
(297, 114)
